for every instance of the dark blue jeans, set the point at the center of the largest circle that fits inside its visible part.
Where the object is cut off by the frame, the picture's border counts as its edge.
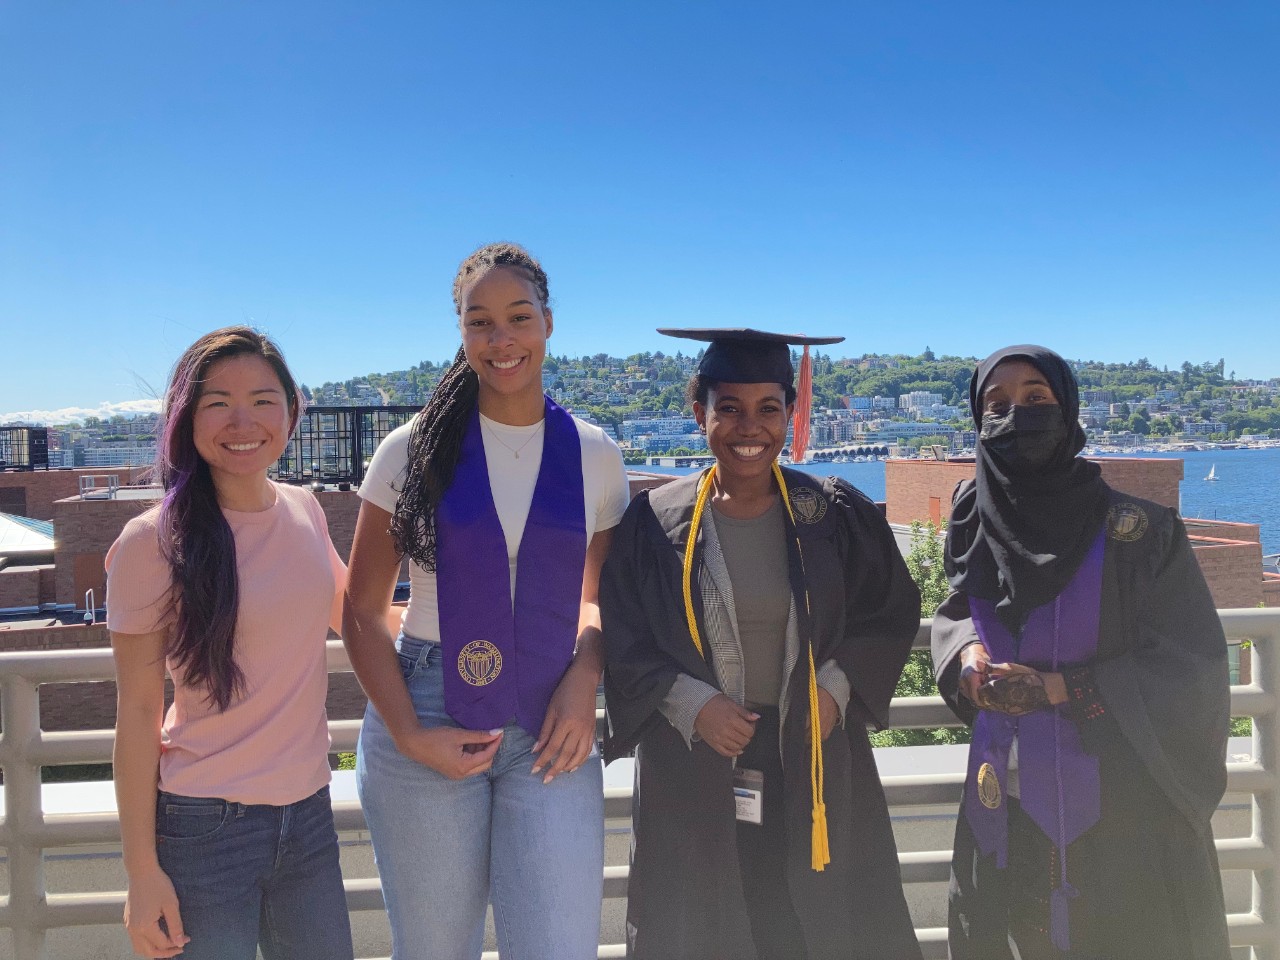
(250, 875)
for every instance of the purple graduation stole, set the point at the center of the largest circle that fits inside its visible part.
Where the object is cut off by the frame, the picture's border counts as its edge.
(1059, 783)
(501, 662)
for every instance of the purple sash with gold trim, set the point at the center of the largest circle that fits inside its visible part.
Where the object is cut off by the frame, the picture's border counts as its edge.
(1059, 784)
(502, 662)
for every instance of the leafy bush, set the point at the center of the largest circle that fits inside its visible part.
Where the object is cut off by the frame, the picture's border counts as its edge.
(924, 562)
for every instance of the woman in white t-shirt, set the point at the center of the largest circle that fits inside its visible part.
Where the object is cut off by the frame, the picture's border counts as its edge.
(477, 766)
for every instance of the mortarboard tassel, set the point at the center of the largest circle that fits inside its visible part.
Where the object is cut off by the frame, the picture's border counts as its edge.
(804, 409)
(820, 849)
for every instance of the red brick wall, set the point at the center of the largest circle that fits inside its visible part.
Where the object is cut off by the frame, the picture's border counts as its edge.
(83, 531)
(911, 485)
(1223, 530)
(1152, 479)
(1232, 569)
(75, 637)
(1271, 589)
(341, 507)
(46, 487)
(20, 586)
(921, 489)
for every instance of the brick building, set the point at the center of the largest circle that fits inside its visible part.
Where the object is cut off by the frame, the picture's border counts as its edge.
(32, 493)
(1230, 554)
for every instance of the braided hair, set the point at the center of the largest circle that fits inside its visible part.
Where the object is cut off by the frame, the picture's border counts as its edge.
(435, 442)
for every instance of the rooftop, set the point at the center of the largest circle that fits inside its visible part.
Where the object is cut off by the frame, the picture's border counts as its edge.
(20, 535)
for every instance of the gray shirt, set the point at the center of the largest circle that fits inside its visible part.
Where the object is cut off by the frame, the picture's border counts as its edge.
(755, 552)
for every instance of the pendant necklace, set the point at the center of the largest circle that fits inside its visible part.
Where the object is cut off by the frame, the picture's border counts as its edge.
(515, 451)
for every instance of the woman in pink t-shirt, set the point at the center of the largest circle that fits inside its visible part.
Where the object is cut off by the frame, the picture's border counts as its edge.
(231, 582)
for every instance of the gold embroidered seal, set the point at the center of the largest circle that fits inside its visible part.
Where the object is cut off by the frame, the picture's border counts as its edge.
(808, 504)
(1126, 522)
(988, 787)
(479, 663)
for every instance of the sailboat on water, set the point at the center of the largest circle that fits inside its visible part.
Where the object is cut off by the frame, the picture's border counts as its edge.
(1213, 473)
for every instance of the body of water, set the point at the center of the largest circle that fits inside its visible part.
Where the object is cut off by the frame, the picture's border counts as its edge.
(1247, 489)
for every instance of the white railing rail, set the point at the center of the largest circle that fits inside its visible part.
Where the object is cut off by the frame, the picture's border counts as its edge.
(27, 832)
(98, 486)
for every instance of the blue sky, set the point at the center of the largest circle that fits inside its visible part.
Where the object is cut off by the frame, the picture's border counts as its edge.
(1100, 177)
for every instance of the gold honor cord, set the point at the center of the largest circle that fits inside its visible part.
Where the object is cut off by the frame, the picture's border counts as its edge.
(820, 849)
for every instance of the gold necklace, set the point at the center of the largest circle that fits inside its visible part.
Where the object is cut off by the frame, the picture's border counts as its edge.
(515, 451)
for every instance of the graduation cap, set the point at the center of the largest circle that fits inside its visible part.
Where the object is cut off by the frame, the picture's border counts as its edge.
(742, 355)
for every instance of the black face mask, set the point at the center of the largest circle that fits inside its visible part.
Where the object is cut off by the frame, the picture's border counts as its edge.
(1025, 438)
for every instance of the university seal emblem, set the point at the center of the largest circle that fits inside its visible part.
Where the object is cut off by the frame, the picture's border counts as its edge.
(988, 787)
(808, 504)
(1126, 522)
(479, 663)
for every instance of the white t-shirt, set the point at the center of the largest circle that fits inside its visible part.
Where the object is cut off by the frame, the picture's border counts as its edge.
(512, 479)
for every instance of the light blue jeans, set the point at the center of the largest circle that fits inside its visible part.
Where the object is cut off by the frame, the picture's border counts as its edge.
(445, 848)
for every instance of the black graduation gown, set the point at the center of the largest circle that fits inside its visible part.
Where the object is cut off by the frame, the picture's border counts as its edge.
(685, 893)
(1154, 707)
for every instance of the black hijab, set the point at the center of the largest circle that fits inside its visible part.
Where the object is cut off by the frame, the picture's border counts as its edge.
(1019, 533)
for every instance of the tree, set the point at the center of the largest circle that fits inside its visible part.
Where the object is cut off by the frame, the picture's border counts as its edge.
(926, 566)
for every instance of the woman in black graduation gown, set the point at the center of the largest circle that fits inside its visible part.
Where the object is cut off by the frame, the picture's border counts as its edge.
(749, 613)
(1081, 640)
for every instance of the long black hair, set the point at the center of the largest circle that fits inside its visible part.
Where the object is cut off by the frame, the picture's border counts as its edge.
(436, 439)
(195, 538)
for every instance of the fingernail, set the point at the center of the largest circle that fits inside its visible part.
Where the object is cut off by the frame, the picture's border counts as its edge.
(536, 768)
(494, 733)
(547, 779)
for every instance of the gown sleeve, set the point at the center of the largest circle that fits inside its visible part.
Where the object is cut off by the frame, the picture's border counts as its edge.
(637, 675)
(952, 631)
(882, 607)
(1167, 687)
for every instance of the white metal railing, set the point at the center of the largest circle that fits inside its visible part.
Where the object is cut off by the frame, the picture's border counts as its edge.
(98, 486)
(30, 909)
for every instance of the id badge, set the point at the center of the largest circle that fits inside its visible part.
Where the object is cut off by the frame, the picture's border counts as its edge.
(748, 794)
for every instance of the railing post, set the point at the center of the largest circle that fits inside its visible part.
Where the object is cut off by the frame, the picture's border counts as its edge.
(1266, 804)
(20, 716)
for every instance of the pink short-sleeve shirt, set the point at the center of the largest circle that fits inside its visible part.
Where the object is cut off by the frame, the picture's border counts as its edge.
(271, 744)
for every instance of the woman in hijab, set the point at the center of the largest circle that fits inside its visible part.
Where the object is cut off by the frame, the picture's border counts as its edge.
(1081, 642)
